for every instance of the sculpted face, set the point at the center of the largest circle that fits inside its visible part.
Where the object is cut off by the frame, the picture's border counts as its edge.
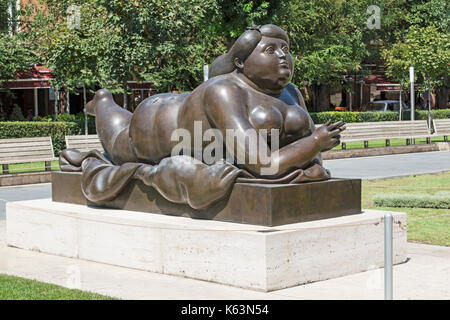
(270, 65)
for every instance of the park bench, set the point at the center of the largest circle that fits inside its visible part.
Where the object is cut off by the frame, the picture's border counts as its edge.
(385, 130)
(442, 128)
(84, 143)
(26, 150)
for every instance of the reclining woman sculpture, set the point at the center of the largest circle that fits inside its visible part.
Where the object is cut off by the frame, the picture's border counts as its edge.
(249, 88)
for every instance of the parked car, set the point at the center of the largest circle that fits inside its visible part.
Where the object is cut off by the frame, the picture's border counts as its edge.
(384, 105)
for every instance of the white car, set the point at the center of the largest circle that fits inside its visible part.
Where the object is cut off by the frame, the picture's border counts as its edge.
(384, 105)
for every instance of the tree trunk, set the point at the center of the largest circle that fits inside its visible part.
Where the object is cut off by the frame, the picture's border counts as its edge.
(8, 101)
(125, 104)
(62, 101)
(321, 97)
(442, 95)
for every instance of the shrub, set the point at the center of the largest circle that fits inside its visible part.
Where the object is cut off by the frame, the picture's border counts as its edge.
(440, 200)
(75, 118)
(17, 114)
(435, 114)
(28, 129)
(322, 117)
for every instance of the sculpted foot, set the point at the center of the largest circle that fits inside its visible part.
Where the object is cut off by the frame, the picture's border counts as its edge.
(102, 95)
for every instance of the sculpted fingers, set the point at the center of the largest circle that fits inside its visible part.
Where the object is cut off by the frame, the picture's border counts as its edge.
(337, 131)
(336, 125)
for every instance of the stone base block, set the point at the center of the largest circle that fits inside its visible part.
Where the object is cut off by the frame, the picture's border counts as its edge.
(248, 256)
(261, 204)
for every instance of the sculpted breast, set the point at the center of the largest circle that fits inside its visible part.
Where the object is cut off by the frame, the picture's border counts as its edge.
(266, 118)
(296, 121)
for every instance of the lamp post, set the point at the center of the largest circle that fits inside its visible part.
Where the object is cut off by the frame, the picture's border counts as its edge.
(411, 80)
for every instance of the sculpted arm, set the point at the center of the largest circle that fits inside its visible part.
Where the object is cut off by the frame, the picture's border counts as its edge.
(225, 108)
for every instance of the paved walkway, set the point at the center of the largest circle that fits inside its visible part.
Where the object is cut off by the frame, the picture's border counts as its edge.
(426, 275)
(389, 166)
(25, 192)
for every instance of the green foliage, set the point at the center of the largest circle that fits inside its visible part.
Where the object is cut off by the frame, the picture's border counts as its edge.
(16, 114)
(16, 55)
(4, 15)
(425, 48)
(322, 117)
(440, 200)
(75, 118)
(28, 129)
(435, 114)
(326, 37)
(236, 15)
(166, 43)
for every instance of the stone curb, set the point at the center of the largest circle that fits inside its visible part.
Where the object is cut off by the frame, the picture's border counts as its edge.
(382, 151)
(25, 178)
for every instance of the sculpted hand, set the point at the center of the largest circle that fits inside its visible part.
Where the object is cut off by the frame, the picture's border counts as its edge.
(327, 136)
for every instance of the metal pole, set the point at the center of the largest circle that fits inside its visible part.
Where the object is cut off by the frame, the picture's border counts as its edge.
(401, 106)
(388, 272)
(68, 101)
(429, 107)
(56, 102)
(361, 94)
(350, 105)
(205, 72)
(125, 97)
(85, 113)
(411, 80)
(36, 106)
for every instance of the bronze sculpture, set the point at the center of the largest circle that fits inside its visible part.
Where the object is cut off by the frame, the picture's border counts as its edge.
(249, 89)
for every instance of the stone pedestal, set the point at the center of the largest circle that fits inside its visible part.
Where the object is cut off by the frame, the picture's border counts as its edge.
(260, 204)
(248, 256)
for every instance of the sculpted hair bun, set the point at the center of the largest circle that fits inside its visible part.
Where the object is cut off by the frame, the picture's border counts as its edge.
(244, 46)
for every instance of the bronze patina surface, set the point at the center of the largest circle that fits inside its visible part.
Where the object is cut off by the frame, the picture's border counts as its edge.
(249, 95)
(259, 204)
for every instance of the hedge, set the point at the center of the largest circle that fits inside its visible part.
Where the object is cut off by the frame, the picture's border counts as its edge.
(29, 129)
(66, 117)
(322, 117)
(440, 200)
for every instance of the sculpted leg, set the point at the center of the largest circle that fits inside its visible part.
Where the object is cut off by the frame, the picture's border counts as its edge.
(112, 123)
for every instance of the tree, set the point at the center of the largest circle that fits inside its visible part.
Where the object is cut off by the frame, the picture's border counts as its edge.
(326, 41)
(17, 54)
(166, 43)
(427, 50)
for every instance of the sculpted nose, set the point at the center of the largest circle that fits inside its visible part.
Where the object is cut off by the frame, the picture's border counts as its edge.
(281, 54)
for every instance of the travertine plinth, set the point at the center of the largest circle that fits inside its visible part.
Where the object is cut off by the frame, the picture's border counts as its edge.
(248, 256)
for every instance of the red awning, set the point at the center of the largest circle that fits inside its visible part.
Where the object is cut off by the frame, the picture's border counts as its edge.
(37, 77)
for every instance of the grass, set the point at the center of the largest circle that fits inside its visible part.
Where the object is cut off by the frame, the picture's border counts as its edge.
(30, 167)
(425, 225)
(16, 288)
(382, 143)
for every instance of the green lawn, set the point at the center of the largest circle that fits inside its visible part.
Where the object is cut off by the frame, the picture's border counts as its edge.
(15, 288)
(30, 167)
(382, 143)
(431, 226)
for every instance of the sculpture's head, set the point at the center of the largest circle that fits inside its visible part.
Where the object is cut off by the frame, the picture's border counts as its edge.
(262, 54)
